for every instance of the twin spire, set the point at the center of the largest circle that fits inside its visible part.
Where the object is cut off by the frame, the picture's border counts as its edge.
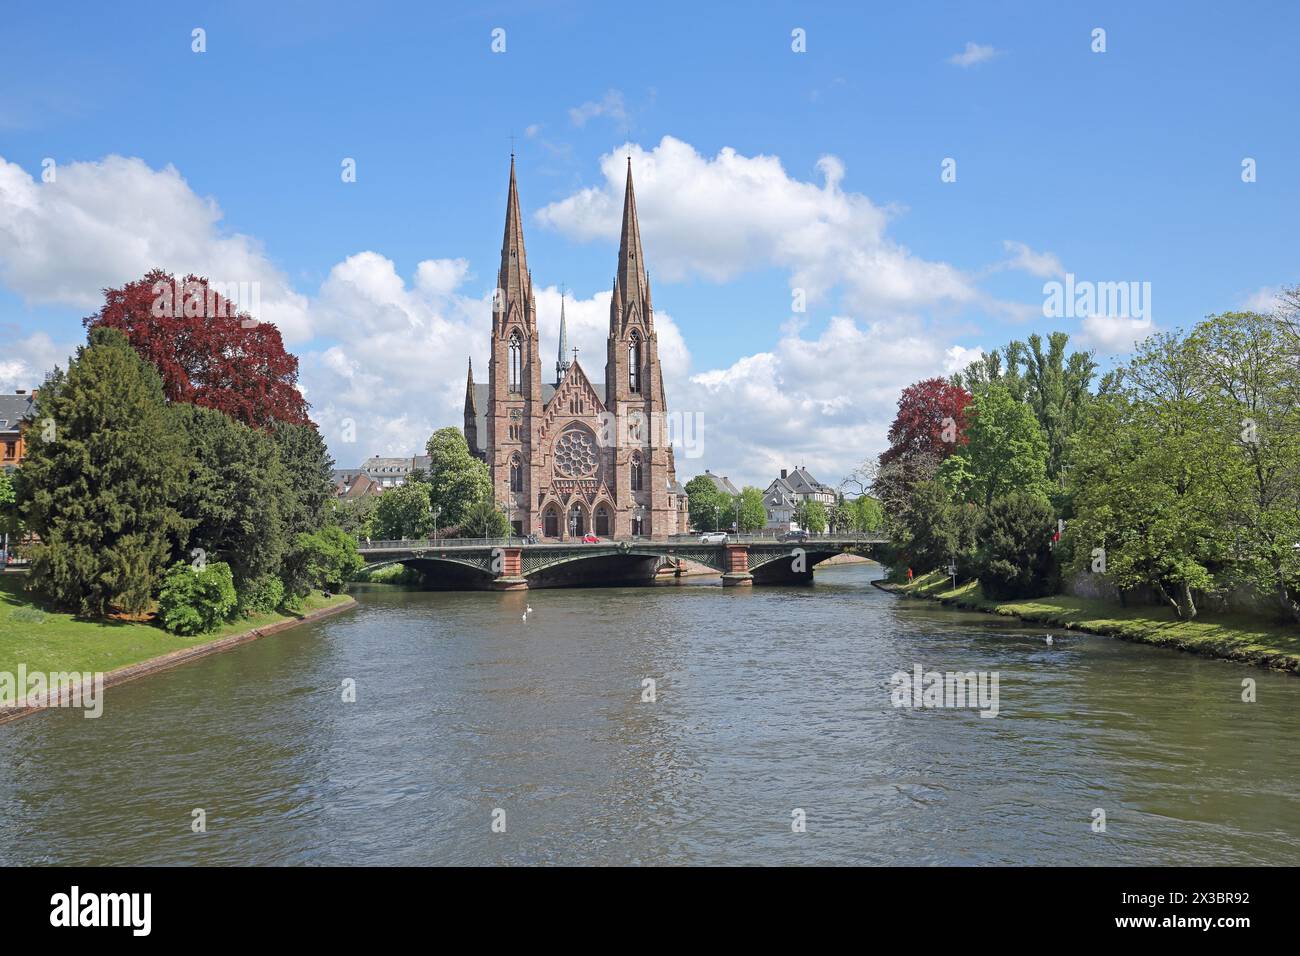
(631, 296)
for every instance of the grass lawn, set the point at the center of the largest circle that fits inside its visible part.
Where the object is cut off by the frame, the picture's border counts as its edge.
(53, 641)
(1234, 636)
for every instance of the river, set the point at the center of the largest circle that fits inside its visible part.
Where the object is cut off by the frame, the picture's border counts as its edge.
(766, 701)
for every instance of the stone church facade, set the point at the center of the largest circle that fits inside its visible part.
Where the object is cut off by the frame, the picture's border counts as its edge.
(576, 456)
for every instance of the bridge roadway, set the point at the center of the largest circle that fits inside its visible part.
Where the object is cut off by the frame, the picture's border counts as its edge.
(514, 563)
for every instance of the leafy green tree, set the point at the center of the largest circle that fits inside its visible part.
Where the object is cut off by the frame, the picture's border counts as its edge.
(1251, 390)
(753, 513)
(484, 519)
(707, 503)
(403, 512)
(457, 480)
(261, 595)
(1145, 477)
(323, 560)
(98, 488)
(195, 601)
(355, 515)
(811, 516)
(867, 514)
(1014, 553)
(840, 517)
(237, 494)
(1005, 451)
(9, 521)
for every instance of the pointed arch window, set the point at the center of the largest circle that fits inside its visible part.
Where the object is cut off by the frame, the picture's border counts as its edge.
(516, 363)
(634, 363)
(636, 471)
(516, 473)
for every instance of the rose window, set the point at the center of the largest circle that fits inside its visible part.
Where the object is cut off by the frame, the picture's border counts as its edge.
(575, 454)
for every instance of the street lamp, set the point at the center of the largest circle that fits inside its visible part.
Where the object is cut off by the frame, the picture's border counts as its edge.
(737, 517)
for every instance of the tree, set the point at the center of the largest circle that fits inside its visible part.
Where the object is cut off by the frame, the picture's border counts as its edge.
(707, 503)
(325, 559)
(1005, 451)
(484, 519)
(1147, 496)
(403, 512)
(753, 514)
(103, 471)
(930, 425)
(456, 480)
(308, 466)
(207, 352)
(937, 528)
(236, 494)
(1251, 387)
(866, 514)
(1014, 554)
(811, 516)
(355, 515)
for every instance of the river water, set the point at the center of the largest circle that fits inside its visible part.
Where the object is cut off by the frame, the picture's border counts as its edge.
(766, 701)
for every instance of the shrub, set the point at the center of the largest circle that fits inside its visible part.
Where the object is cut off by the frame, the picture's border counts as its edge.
(196, 601)
(261, 595)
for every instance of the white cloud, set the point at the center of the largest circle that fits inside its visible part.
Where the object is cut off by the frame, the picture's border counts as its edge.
(1114, 334)
(106, 223)
(27, 360)
(1042, 264)
(611, 105)
(1262, 300)
(974, 53)
(825, 402)
(718, 218)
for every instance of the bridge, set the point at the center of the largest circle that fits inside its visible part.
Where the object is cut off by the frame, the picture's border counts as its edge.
(507, 564)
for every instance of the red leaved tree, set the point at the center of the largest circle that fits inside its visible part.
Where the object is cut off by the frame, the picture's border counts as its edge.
(207, 351)
(930, 426)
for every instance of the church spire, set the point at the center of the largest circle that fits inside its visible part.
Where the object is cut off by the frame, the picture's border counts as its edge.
(561, 364)
(514, 280)
(630, 280)
(469, 387)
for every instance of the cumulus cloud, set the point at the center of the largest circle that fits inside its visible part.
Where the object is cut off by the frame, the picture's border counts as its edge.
(719, 217)
(973, 54)
(824, 401)
(29, 358)
(101, 224)
(1114, 334)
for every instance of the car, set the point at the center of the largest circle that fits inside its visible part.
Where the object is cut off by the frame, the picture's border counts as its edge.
(713, 537)
(796, 535)
(590, 539)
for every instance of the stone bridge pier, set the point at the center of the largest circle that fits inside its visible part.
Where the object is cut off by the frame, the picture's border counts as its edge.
(737, 573)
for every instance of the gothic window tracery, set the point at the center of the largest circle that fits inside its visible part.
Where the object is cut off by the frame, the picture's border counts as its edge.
(516, 363)
(575, 454)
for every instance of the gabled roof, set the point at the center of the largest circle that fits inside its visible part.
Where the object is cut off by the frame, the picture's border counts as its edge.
(722, 483)
(482, 400)
(802, 481)
(13, 409)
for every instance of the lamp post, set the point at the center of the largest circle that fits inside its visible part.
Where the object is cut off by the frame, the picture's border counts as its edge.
(737, 516)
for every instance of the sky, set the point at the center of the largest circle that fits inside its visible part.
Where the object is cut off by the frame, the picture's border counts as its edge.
(917, 174)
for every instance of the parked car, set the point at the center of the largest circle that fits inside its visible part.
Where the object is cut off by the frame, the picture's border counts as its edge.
(797, 535)
(713, 537)
(590, 538)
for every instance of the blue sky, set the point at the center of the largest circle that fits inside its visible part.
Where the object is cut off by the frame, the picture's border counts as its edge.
(1115, 166)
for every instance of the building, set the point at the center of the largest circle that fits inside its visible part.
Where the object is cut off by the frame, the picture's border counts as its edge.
(576, 455)
(722, 483)
(786, 493)
(376, 474)
(13, 410)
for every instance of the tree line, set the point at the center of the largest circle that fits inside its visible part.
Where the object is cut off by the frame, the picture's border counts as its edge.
(1174, 476)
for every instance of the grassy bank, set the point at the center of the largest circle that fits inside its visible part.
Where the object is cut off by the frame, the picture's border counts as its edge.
(47, 641)
(1235, 637)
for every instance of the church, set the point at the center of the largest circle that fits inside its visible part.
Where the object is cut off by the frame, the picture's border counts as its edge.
(575, 456)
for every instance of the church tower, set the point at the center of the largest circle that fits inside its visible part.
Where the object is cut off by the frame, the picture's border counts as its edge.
(514, 372)
(634, 389)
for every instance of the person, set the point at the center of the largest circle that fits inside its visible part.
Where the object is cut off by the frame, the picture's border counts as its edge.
(909, 575)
